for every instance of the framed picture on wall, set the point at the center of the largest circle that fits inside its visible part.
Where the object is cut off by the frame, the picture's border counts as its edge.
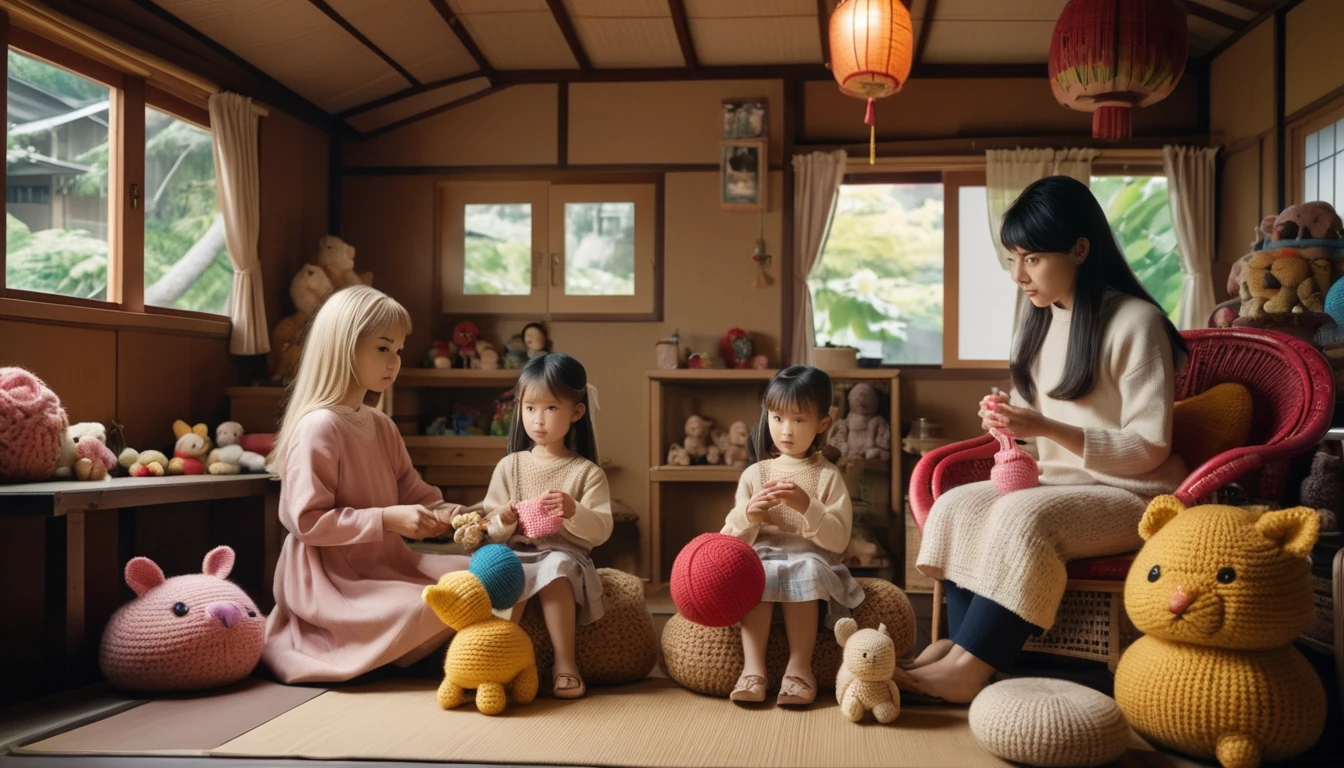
(744, 119)
(743, 169)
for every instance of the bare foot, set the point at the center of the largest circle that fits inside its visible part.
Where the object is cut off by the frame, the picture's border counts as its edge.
(935, 651)
(955, 678)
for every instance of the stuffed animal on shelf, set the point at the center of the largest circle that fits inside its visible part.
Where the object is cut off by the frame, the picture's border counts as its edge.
(145, 463)
(732, 444)
(441, 354)
(464, 337)
(515, 355)
(488, 654)
(191, 450)
(1221, 594)
(32, 427)
(696, 448)
(84, 453)
(487, 357)
(864, 682)
(537, 341)
(186, 633)
(863, 434)
(230, 458)
(737, 348)
(309, 288)
(337, 258)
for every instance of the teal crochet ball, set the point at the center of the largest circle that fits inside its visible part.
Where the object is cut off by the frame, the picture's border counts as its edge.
(501, 573)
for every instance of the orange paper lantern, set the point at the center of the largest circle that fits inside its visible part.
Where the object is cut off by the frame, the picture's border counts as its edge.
(871, 51)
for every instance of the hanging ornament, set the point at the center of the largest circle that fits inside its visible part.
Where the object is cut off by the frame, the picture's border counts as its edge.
(1109, 57)
(871, 51)
(761, 258)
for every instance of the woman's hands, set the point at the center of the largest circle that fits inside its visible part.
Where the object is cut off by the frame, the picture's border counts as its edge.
(414, 521)
(996, 413)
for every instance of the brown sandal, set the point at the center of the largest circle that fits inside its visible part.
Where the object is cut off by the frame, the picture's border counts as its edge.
(750, 688)
(795, 691)
(573, 687)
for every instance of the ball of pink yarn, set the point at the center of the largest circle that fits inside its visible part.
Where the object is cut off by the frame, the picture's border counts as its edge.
(535, 523)
(1014, 469)
(185, 633)
(32, 424)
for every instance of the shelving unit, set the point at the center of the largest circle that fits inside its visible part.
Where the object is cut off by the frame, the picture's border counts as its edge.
(687, 501)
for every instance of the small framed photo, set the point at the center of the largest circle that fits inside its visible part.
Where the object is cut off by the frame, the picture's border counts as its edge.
(743, 170)
(744, 119)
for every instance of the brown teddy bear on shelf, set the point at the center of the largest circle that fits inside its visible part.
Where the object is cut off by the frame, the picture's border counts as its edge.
(732, 444)
(697, 447)
(337, 258)
(309, 288)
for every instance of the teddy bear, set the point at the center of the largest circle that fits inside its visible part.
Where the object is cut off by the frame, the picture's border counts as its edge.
(697, 447)
(732, 444)
(863, 434)
(337, 258)
(185, 633)
(487, 357)
(1276, 280)
(191, 450)
(309, 288)
(488, 654)
(515, 355)
(864, 681)
(1306, 221)
(1221, 594)
(84, 453)
(229, 458)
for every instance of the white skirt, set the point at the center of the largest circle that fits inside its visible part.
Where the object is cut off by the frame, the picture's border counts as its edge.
(796, 571)
(548, 561)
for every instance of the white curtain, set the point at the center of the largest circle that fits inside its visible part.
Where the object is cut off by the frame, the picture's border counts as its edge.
(1009, 171)
(1190, 189)
(233, 121)
(816, 188)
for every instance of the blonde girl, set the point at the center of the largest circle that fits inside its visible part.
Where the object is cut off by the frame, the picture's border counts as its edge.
(795, 512)
(347, 588)
(552, 460)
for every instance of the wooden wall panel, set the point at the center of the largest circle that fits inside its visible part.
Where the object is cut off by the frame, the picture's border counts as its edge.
(154, 386)
(79, 364)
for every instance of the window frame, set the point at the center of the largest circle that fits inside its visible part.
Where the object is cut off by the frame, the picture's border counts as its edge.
(1298, 130)
(547, 197)
(129, 95)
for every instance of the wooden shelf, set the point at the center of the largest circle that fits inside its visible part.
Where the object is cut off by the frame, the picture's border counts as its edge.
(455, 441)
(718, 375)
(695, 474)
(450, 377)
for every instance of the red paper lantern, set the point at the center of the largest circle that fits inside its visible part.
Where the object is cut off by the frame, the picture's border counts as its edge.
(1110, 56)
(871, 51)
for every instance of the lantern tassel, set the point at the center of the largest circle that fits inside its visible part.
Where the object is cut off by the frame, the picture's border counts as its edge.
(871, 120)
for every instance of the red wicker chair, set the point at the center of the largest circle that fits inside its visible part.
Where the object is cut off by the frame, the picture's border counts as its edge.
(1293, 391)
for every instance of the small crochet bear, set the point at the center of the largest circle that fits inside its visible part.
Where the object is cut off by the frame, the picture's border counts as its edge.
(84, 452)
(488, 654)
(185, 633)
(1221, 593)
(864, 681)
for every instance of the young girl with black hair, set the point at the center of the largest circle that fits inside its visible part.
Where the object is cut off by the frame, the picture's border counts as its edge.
(1094, 376)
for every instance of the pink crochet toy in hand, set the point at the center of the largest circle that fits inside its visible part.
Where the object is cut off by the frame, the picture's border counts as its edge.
(1014, 469)
(535, 522)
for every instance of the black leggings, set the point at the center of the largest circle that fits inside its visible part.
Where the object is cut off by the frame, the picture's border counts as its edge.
(991, 632)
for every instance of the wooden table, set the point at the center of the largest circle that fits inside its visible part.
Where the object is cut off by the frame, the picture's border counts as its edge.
(74, 524)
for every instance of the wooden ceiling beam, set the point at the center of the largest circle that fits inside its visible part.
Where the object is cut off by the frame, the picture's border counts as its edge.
(455, 24)
(683, 27)
(566, 26)
(929, 9)
(1246, 27)
(454, 104)
(1224, 20)
(414, 90)
(824, 23)
(756, 72)
(345, 24)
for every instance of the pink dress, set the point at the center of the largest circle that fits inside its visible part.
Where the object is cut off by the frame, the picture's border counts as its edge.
(347, 592)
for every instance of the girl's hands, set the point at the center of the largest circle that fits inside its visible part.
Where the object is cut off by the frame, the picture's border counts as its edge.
(989, 405)
(509, 516)
(558, 504)
(789, 493)
(414, 521)
(758, 507)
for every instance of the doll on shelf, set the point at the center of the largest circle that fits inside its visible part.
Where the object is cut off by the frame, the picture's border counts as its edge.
(536, 340)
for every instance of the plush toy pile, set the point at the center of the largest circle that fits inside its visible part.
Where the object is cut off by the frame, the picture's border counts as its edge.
(1285, 282)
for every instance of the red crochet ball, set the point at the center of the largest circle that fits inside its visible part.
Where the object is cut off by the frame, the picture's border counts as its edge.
(717, 579)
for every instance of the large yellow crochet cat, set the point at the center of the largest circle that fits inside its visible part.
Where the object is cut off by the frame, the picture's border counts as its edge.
(488, 654)
(1221, 593)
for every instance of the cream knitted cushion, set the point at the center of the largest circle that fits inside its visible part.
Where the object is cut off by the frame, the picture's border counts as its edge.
(1044, 722)
(709, 660)
(620, 647)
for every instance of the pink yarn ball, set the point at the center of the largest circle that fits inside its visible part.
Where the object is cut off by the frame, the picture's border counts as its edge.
(32, 424)
(717, 579)
(185, 633)
(535, 523)
(1014, 469)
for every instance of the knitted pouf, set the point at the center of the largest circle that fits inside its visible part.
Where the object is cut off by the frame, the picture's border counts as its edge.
(32, 424)
(184, 633)
(717, 579)
(501, 572)
(1014, 469)
(620, 647)
(1045, 722)
(709, 660)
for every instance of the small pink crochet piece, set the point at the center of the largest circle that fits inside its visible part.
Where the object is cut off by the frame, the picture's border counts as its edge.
(534, 522)
(1014, 469)
(32, 424)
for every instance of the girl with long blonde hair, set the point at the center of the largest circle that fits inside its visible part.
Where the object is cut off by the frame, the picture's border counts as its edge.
(347, 588)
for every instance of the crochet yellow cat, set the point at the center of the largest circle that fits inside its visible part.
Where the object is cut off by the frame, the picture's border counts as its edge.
(487, 653)
(1221, 593)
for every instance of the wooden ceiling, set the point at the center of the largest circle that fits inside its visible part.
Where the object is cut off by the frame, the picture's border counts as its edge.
(378, 64)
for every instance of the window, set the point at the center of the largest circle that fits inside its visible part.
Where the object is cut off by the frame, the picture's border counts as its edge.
(56, 160)
(186, 263)
(548, 249)
(878, 284)
(1323, 167)
(1140, 216)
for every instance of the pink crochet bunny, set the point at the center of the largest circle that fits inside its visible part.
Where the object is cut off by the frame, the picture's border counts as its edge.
(1014, 469)
(534, 523)
(184, 633)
